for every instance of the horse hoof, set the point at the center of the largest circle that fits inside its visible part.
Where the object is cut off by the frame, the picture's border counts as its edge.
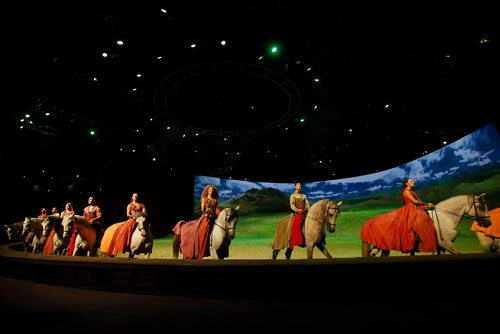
(374, 251)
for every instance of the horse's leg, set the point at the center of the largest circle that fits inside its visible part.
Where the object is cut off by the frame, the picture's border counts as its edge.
(213, 252)
(495, 246)
(275, 253)
(322, 248)
(450, 247)
(175, 246)
(288, 253)
(485, 241)
(365, 249)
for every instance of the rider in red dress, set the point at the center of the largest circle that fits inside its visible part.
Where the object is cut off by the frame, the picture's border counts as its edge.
(407, 229)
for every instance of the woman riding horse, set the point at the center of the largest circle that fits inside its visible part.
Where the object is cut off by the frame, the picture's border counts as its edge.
(408, 229)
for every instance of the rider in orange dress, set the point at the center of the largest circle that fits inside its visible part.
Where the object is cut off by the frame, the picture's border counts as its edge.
(407, 229)
(124, 234)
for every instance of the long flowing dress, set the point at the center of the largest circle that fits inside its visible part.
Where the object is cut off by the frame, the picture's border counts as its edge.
(194, 235)
(398, 229)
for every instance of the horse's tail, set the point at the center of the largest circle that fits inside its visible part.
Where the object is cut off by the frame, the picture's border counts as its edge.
(175, 246)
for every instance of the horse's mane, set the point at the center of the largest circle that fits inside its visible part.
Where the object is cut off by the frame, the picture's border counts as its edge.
(226, 211)
(452, 199)
(81, 220)
(318, 209)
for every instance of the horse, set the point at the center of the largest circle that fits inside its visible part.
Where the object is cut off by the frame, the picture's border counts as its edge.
(14, 230)
(85, 233)
(223, 231)
(32, 234)
(52, 228)
(445, 216)
(322, 214)
(489, 237)
(142, 238)
(133, 236)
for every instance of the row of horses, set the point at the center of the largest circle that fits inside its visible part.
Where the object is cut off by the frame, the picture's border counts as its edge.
(446, 215)
(321, 218)
(52, 235)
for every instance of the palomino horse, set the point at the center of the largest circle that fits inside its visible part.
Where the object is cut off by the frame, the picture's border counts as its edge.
(222, 232)
(446, 216)
(142, 238)
(86, 236)
(489, 237)
(322, 213)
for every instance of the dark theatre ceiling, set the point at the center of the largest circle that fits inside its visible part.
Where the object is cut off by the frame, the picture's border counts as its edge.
(354, 88)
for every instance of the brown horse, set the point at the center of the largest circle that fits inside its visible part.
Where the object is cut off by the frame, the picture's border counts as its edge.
(446, 216)
(322, 213)
(86, 236)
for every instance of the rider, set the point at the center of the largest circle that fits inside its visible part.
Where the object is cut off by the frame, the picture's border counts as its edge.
(299, 204)
(92, 213)
(407, 229)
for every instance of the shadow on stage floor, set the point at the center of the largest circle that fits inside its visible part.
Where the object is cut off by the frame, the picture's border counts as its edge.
(247, 295)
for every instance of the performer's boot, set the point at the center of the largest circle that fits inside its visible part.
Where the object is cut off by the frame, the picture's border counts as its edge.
(288, 253)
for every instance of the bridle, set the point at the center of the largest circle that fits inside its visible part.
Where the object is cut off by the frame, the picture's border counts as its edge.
(465, 215)
(227, 219)
(331, 206)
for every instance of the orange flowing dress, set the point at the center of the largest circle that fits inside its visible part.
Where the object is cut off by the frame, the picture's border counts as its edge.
(397, 229)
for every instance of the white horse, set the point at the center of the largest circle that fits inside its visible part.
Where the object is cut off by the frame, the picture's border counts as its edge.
(53, 225)
(223, 231)
(448, 213)
(32, 234)
(142, 238)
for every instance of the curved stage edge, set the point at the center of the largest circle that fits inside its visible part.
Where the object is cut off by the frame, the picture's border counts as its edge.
(428, 275)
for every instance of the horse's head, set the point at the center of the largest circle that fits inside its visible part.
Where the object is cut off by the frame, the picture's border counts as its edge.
(228, 219)
(142, 224)
(47, 225)
(331, 213)
(479, 210)
(68, 224)
(26, 227)
(12, 230)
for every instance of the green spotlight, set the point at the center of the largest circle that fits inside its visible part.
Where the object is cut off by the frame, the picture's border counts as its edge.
(274, 50)
(92, 133)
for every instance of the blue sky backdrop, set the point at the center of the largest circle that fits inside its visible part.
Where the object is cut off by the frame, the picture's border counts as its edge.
(472, 153)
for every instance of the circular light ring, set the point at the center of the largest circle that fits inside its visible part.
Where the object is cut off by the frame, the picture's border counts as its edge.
(174, 80)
